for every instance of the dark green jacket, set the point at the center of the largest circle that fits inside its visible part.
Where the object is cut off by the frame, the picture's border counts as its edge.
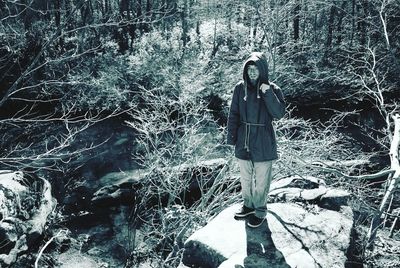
(251, 113)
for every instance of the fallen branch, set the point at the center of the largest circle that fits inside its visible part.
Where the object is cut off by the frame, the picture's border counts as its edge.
(326, 168)
(359, 177)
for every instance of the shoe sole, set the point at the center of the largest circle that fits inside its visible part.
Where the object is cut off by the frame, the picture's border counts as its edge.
(255, 226)
(244, 215)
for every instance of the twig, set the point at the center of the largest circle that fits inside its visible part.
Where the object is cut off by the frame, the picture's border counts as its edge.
(46, 245)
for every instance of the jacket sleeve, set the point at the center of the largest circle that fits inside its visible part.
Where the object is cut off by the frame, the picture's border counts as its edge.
(233, 118)
(274, 101)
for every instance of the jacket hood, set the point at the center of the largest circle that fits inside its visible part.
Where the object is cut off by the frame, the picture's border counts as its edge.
(260, 60)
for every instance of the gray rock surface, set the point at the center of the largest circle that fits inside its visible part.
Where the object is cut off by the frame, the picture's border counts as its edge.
(295, 234)
(25, 204)
(74, 258)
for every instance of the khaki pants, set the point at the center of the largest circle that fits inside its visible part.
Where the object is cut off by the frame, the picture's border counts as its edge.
(255, 179)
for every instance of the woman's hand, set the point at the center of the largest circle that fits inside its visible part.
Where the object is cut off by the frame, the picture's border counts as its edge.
(264, 87)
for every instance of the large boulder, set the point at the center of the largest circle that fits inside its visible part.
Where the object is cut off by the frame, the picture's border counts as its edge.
(297, 232)
(25, 204)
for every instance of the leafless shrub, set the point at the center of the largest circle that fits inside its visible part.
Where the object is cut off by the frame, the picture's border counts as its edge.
(176, 138)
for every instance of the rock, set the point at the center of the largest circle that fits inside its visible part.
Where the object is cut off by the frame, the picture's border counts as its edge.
(291, 237)
(334, 198)
(25, 204)
(293, 194)
(300, 234)
(118, 188)
(308, 188)
(294, 188)
(74, 258)
(113, 195)
(302, 182)
(125, 178)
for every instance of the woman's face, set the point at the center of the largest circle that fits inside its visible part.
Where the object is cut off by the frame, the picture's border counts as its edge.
(252, 72)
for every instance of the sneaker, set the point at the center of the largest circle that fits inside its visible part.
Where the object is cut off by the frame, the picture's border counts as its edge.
(245, 211)
(255, 221)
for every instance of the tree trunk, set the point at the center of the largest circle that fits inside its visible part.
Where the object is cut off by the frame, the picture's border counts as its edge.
(162, 14)
(394, 224)
(184, 22)
(315, 28)
(27, 15)
(198, 41)
(57, 19)
(340, 21)
(57, 12)
(69, 18)
(394, 180)
(255, 26)
(107, 10)
(296, 21)
(84, 12)
(353, 21)
(148, 18)
(132, 26)
(362, 24)
(139, 15)
(122, 38)
(331, 21)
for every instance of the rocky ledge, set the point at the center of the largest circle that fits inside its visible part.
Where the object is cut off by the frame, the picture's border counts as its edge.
(308, 225)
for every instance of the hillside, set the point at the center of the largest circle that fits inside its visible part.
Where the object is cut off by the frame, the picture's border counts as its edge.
(122, 106)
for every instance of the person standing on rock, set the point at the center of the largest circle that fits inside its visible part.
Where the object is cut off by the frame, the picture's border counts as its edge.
(255, 103)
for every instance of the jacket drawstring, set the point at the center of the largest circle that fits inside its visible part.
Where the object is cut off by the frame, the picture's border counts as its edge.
(245, 90)
(247, 137)
(247, 133)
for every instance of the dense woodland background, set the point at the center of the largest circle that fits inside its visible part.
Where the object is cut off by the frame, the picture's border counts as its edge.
(75, 74)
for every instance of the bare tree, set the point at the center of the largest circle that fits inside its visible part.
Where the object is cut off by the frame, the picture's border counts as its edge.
(373, 82)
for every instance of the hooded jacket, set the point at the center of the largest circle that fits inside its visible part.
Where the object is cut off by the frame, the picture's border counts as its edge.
(251, 113)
